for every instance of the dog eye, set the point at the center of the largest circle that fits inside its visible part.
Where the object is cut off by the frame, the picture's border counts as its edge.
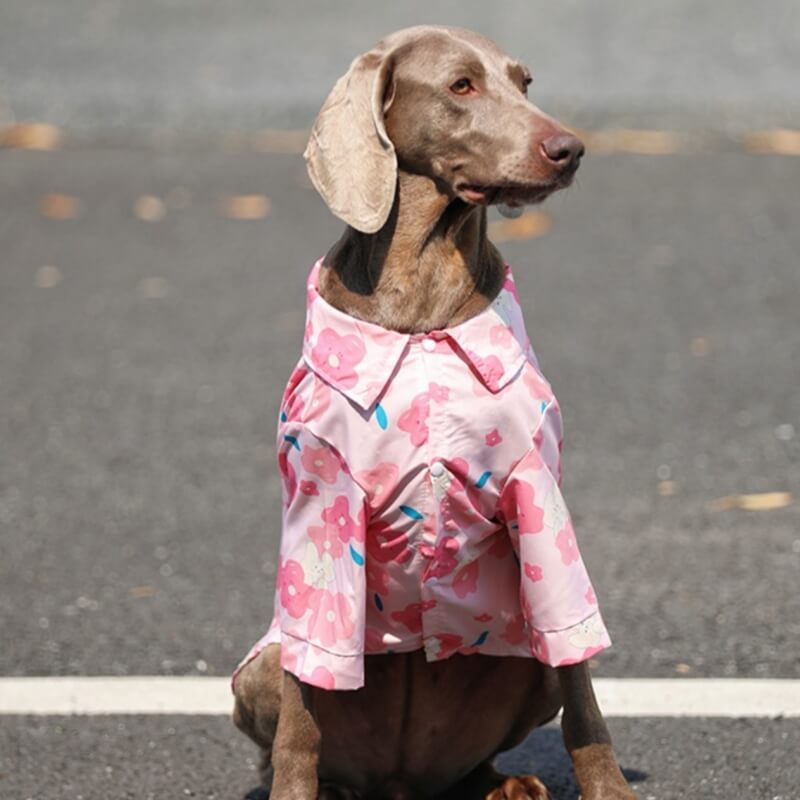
(462, 86)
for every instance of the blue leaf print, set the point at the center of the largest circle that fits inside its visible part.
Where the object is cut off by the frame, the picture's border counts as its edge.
(381, 418)
(283, 416)
(411, 512)
(292, 441)
(378, 602)
(543, 406)
(483, 478)
(481, 639)
(357, 557)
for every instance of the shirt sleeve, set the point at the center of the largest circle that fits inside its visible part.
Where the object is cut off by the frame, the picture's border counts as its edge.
(321, 584)
(558, 602)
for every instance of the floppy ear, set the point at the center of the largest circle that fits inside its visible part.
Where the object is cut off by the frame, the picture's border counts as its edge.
(349, 157)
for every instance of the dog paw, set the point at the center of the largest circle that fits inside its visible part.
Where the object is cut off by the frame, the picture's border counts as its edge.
(521, 787)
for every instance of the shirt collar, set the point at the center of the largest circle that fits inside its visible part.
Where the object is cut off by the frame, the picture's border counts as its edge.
(359, 358)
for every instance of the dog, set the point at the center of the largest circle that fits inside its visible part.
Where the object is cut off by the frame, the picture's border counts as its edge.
(431, 605)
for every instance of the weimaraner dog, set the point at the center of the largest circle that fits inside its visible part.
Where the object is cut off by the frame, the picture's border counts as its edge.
(414, 142)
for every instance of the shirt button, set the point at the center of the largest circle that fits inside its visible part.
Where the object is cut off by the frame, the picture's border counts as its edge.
(429, 345)
(437, 469)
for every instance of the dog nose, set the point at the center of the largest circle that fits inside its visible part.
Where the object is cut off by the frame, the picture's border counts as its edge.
(563, 149)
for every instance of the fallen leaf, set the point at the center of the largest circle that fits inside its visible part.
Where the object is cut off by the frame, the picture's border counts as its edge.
(31, 136)
(246, 206)
(682, 669)
(640, 142)
(59, 206)
(781, 141)
(149, 208)
(700, 346)
(528, 226)
(666, 488)
(143, 591)
(276, 141)
(47, 277)
(153, 288)
(764, 501)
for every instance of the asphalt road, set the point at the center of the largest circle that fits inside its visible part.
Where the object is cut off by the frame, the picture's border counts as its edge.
(116, 68)
(177, 757)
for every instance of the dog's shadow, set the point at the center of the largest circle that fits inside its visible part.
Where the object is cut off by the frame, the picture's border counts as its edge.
(543, 754)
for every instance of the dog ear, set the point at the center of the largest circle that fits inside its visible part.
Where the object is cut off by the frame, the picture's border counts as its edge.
(350, 159)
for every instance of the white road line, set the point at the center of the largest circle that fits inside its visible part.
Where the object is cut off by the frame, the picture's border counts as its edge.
(619, 697)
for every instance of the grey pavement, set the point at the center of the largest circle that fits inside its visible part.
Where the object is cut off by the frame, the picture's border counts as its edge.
(139, 506)
(196, 66)
(166, 758)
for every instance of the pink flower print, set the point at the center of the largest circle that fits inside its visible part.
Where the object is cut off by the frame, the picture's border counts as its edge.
(321, 677)
(411, 615)
(483, 617)
(338, 516)
(515, 630)
(331, 619)
(288, 660)
(539, 646)
(288, 476)
(309, 488)
(500, 335)
(320, 461)
(565, 541)
(295, 593)
(590, 596)
(438, 393)
(493, 438)
(377, 578)
(449, 643)
(466, 580)
(533, 571)
(443, 559)
(386, 545)
(379, 482)
(326, 539)
(490, 368)
(413, 421)
(536, 386)
(336, 356)
(530, 518)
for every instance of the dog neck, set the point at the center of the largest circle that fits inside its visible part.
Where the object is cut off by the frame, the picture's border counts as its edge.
(429, 267)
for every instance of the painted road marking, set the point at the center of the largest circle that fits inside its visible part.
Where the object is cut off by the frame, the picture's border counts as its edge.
(619, 697)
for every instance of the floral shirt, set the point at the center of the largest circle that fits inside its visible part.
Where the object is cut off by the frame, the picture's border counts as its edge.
(421, 500)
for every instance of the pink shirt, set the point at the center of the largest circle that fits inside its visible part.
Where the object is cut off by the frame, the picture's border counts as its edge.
(421, 500)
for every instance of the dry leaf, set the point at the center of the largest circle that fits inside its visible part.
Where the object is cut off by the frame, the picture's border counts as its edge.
(682, 669)
(765, 501)
(59, 206)
(153, 288)
(781, 141)
(700, 346)
(143, 591)
(666, 488)
(246, 206)
(31, 136)
(274, 141)
(149, 208)
(528, 226)
(626, 140)
(47, 277)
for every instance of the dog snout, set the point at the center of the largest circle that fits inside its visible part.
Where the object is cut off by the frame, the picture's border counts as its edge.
(563, 150)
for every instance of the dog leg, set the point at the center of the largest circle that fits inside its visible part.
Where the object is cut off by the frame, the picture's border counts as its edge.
(258, 691)
(295, 754)
(587, 739)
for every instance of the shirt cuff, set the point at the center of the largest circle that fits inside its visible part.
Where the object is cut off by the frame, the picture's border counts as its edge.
(570, 645)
